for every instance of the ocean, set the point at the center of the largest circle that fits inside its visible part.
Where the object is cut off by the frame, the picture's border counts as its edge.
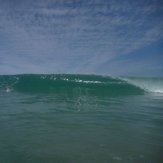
(80, 119)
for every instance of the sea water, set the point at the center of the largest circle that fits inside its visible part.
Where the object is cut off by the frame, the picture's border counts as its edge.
(80, 119)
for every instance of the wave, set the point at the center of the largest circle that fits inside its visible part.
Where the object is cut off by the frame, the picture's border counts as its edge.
(80, 84)
(69, 84)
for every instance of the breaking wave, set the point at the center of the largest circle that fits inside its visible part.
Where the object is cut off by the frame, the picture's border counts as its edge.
(154, 85)
(83, 84)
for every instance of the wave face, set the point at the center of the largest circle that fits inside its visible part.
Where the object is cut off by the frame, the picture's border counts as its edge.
(70, 84)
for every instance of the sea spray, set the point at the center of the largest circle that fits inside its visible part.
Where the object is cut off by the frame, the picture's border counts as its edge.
(154, 85)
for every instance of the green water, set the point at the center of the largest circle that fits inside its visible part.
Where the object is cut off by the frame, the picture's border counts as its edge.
(80, 119)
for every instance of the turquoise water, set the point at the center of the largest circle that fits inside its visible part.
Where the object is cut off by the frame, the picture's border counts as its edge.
(80, 119)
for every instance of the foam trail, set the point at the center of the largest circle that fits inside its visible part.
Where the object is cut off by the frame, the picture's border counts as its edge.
(154, 85)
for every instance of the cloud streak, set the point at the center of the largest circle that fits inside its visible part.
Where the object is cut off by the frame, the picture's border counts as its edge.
(74, 37)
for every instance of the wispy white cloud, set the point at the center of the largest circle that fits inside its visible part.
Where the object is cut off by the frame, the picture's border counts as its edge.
(65, 36)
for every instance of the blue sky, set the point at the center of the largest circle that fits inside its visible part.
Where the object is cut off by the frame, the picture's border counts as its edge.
(82, 36)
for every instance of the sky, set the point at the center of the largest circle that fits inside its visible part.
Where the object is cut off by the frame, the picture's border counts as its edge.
(112, 37)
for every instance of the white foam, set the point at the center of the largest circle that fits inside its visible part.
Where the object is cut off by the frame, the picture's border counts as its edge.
(87, 81)
(154, 85)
